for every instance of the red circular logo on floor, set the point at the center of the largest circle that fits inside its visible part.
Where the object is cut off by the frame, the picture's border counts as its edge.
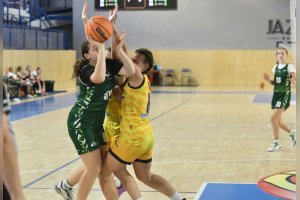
(281, 185)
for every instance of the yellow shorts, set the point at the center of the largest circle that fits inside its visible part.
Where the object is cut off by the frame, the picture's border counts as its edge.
(133, 144)
(111, 128)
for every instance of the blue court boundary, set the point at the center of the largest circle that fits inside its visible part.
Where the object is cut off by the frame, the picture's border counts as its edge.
(53, 103)
(74, 160)
(232, 191)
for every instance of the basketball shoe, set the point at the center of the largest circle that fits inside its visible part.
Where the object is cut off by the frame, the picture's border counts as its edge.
(293, 137)
(275, 146)
(64, 191)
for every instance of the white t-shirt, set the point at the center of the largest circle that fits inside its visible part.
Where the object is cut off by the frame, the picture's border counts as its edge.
(34, 73)
(291, 68)
(11, 74)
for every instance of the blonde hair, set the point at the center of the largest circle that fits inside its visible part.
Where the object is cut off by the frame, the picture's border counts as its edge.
(283, 48)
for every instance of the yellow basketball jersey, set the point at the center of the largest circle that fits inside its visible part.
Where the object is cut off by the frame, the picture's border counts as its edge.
(113, 108)
(136, 102)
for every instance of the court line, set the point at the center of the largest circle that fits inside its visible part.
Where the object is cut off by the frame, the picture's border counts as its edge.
(179, 162)
(203, 92)
(200, 191)
(219, 138)
(222, 161)
(57, 169)
(93, 189)
(62, 96)
(158, 116)
(51, 172)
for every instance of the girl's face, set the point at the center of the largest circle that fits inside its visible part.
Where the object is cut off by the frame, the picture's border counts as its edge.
(281, 56)
(92, 55)
(139, 61)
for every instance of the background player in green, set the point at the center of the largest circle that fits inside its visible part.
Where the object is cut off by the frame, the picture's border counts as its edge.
(284, 75)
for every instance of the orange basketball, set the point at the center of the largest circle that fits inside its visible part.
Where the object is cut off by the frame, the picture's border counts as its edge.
(99, 29)
(262, 85)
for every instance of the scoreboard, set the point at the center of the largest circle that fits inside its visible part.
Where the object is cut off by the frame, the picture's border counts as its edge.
(136, 4)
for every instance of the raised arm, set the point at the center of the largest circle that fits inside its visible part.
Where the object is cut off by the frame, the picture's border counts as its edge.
(115, 36)
(98, 76)
(83, 14)
(267, 78)
(128, 65)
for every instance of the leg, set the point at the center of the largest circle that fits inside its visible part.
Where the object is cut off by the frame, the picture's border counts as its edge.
(74, 178)
(274, 120)
(291, 131)
(109, 166)
(275, 146)
(65, 187)
(282, 125)
(129, 183)
(144, 174)
(92, 162)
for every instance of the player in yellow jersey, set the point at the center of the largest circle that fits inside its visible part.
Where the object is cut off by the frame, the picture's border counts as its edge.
(112, 122)
(134, 144)
(112, 119)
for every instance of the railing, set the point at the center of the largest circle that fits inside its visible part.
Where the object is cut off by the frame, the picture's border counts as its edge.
(25, 9)
(19, 32)
(16, 37)
(66, 3)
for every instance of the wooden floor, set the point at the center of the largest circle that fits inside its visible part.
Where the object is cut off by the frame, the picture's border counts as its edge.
(202, 134)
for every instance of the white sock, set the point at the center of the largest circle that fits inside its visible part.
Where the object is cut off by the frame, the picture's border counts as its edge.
(117, 182)
(67, 185)
(276, 140)
(140, 198)
(292, 132)
(176, 196)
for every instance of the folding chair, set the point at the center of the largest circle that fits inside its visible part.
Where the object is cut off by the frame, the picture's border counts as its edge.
(186, 76)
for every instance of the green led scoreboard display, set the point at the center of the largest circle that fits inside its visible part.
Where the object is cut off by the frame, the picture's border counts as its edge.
(136, 4)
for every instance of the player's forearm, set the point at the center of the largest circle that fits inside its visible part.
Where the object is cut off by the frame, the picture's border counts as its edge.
(127, 62)
(272, 82)
(98, 76)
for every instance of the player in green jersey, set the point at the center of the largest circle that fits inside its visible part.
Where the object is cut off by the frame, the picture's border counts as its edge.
(284, 75)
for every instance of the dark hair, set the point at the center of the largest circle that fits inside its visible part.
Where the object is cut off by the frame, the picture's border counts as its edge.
(19, 68)
(148, 58)
(81, 62)
(283, 48)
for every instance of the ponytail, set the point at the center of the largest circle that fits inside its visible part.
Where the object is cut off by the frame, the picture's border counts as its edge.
(81, 62)
(78, 65)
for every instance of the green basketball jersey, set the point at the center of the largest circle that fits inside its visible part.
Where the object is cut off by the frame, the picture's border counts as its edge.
(282, 79)
(95, 97)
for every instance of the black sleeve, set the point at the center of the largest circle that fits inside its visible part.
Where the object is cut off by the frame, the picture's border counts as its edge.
(113, 66)
(85, 75)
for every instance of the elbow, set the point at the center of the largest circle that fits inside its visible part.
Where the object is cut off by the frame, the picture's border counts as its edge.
(97, 80)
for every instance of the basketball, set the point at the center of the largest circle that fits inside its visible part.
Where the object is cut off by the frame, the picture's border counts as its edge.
(262, 85)
(99, 29)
